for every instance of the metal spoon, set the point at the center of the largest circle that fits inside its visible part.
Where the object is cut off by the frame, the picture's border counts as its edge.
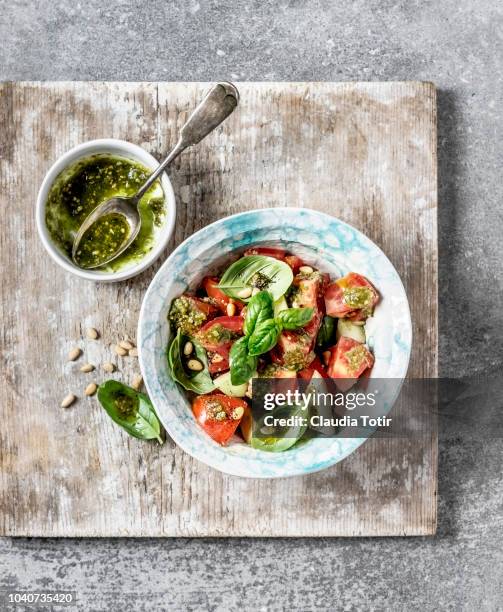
(217, 105)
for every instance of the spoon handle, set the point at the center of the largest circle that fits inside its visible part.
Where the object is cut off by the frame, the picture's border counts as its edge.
(216, 106)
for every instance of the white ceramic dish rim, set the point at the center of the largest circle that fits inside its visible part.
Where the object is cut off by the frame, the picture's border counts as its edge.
(93, 147)
(200, 455)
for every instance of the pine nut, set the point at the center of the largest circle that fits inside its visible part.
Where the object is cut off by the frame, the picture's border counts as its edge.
(133, 352)
(91, 389)
(231, 309)
(306, 269)
(88, 367)
(108, 367)
(125, 344)
(68, 400)
(74, 354)
(237, 413)
(244, 293)
(120, 350)
(195, 365)
(188, 348)
(91, 333)
(217, 358)
(137, 382)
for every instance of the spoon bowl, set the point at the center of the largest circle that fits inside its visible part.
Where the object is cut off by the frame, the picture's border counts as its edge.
(125, 206)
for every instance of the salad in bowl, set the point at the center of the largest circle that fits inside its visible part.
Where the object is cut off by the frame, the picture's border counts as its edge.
(267, 294)
(268, 315)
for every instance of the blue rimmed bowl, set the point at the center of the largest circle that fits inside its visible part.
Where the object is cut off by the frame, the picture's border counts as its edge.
(319, 239)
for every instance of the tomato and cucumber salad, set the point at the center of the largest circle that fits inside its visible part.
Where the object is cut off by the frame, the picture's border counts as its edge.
(267, 315)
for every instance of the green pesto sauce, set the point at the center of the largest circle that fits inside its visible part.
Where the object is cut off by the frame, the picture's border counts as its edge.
(184, 315)
(295, 359)
(102, 240)
(357, 297)
(79, 189)
(355, 357)
(218, 334)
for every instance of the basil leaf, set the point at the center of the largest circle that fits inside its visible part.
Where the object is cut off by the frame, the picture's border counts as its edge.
(199, 382)
(294, 318)
(259, 309)
(326, 332)
(264, 337)
(242, 364)
(256, 271)
(130, 409)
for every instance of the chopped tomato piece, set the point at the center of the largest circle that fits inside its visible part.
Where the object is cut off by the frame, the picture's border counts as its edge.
(206, 307)
(316, 366)
(307, 291)
(294, 349)
(210, 284)
(348, 360)
(353, 295)
(294, 262)
(219, 415)
(218, 334)
(217, 363)
(268, 251)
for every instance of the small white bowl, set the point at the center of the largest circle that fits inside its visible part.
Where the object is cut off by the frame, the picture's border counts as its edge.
(121, 148)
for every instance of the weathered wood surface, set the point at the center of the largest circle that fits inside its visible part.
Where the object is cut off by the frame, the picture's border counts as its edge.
(363, 152)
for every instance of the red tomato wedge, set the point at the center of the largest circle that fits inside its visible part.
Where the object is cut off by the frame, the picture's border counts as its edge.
(218, 334)
(268, 251)
(309, 291)
(316, 366)
(217, 363)
(350, 294)
(210, 284)
(348, 360)
(205, 307)
(219, 415)
(295, 348)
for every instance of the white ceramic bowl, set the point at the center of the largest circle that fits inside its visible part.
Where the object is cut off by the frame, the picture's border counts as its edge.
(319, 239)
(112, 147)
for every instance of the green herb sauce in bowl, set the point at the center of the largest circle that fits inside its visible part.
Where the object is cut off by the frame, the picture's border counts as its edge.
(86, 184)
(58, 215)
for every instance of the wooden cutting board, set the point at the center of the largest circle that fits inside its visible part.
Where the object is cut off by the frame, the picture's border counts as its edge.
(364, 152)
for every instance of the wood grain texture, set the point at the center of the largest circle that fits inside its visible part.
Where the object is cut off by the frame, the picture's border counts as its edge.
(363, 152)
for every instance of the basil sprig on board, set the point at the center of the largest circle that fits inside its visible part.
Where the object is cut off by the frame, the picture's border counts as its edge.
(199, 382)
(259, 271)
(130, 409)
(262, 330)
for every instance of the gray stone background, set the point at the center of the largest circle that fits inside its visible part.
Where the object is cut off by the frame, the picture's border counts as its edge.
(458, 45)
